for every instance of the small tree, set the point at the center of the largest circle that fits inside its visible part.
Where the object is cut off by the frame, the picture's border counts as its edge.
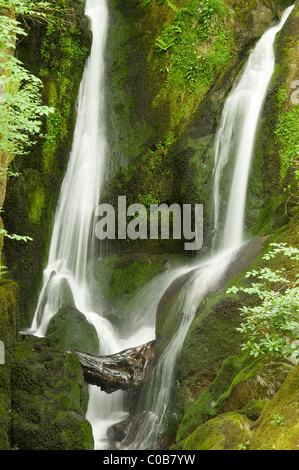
(272, 327)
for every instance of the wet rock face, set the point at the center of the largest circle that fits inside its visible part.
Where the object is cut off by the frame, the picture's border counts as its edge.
(118, 431)
(122, 371)
(48, 399)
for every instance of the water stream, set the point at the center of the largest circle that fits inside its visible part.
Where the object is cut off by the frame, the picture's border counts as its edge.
(72, 242)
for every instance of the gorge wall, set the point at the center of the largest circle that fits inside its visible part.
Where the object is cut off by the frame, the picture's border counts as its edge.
(163, 109)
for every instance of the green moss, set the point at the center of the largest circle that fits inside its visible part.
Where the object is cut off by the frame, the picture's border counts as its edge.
(225, 432)
(254, 408)
(284, 404)
(287, 133)
(37, 200)
(195, 44)
(49, 399)
(74, 433)
(70, 330)
(8, 327)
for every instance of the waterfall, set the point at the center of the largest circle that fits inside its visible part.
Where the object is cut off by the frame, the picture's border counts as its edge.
(72, 244)
(234, 142)
(73, 233)
(235, 138)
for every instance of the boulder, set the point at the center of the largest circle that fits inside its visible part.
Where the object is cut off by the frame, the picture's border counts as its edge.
(230, 431)
(69, 329)
(49, 399)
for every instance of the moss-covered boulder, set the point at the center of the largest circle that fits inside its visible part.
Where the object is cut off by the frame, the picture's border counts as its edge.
(259, 381)
(8, 325)
(226, 432)
(278, 425)
(243, 384)
(263, 424)
(69, 329)
(49, 399)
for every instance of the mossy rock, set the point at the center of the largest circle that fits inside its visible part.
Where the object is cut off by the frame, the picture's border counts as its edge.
(226, 432)
(69, 329)
(202, 408)
(9, 294)
(49, 399)
(278, 426)
(260, 380)
(242, 384)
(254, 408)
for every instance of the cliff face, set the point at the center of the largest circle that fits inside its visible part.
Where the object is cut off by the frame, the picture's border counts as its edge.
(163, 108)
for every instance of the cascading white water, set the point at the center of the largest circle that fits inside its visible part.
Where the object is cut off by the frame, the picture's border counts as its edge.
(73, 232)
(235, 139)
(236, 135)
(72, 240)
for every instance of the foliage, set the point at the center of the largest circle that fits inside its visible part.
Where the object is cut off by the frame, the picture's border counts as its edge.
(277, 420)
(170, 36)
(196, 45)
(287, 134)
(273, 326)
(23, 238)
(22, 108)
(243, 446)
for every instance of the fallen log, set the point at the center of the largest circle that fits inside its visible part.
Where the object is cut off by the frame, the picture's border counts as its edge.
(120, 371)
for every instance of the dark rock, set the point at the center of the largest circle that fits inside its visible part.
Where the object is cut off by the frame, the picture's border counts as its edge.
(136, 430)
(118, 431)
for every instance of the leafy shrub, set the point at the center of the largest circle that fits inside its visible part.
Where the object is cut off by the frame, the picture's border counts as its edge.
(273, 326)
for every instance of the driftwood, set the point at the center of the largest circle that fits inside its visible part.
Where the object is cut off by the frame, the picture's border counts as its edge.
(121, 371)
